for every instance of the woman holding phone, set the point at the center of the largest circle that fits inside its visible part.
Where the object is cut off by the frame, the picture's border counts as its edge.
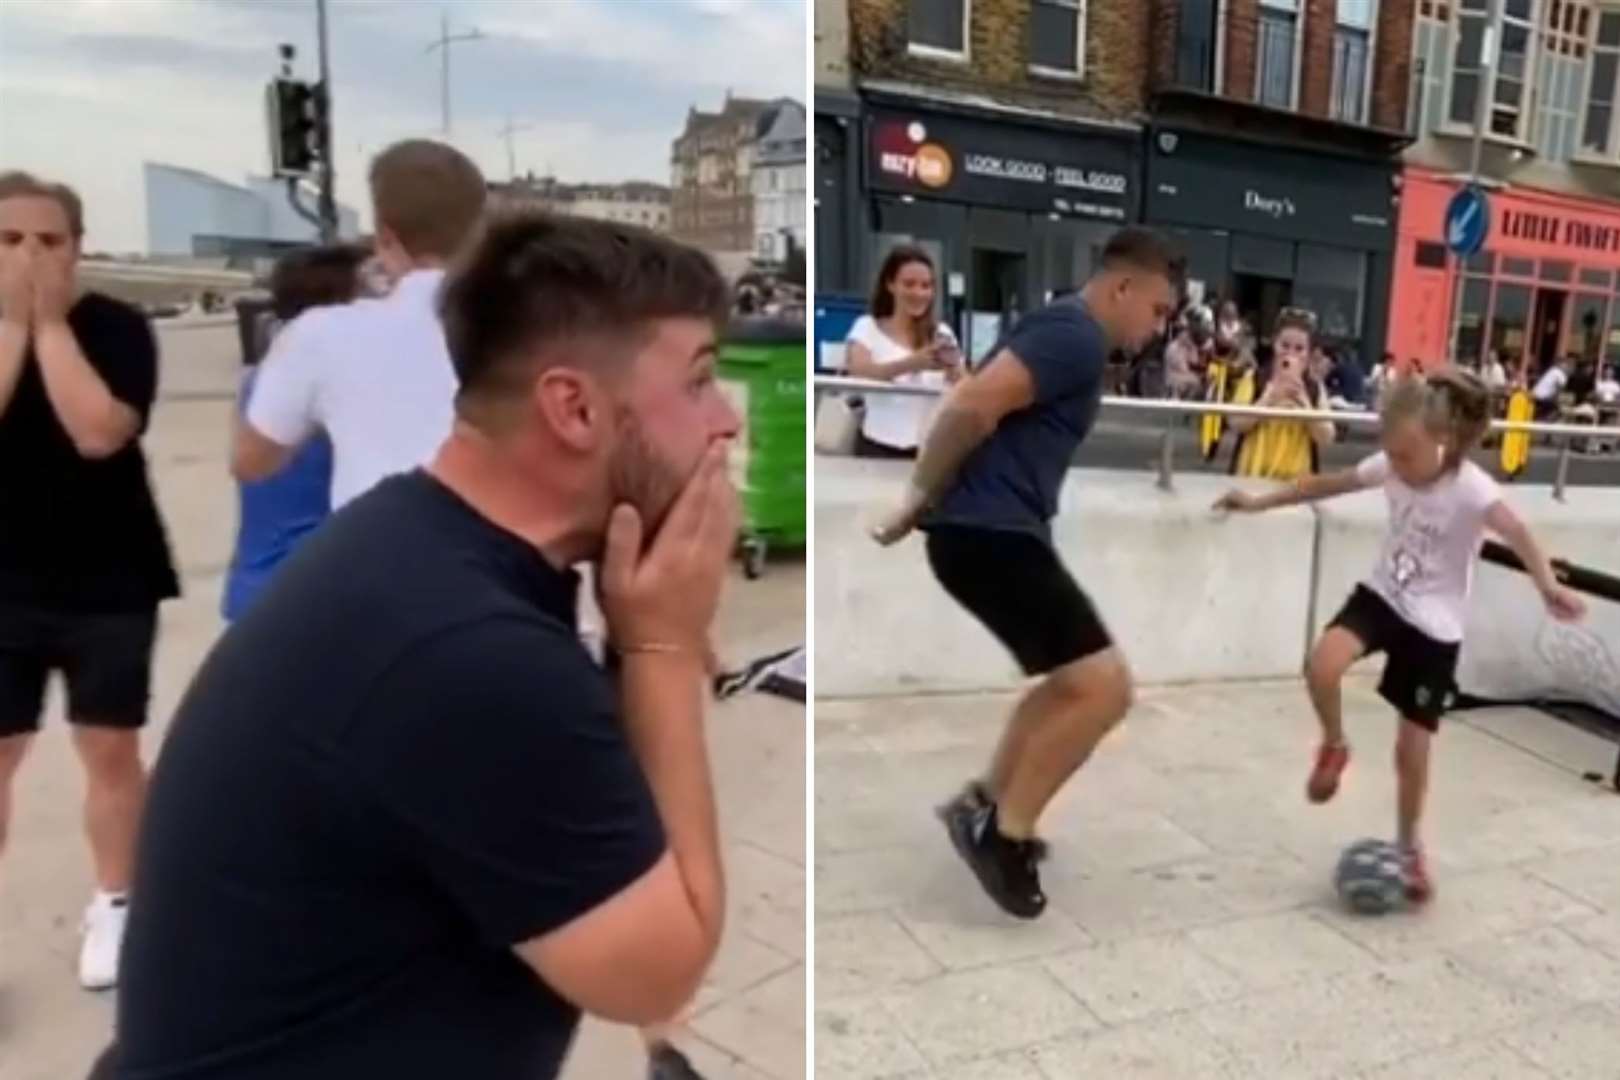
(900, 340)
(1279, 449)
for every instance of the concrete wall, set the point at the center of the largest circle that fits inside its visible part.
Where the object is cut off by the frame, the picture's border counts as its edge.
(1190, 596)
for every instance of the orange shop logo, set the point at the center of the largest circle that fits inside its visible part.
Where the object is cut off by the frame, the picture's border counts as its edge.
(904, 152)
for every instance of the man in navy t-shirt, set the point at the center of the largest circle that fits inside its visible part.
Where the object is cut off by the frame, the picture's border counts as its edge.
(403, 825)
(985, 489)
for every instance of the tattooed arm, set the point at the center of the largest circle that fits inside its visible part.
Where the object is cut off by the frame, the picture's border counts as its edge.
(969, 415)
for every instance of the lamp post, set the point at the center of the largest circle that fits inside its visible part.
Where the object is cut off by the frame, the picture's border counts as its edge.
(443, 43)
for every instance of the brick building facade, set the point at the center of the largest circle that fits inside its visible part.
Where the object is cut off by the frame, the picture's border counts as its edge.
(712, 197)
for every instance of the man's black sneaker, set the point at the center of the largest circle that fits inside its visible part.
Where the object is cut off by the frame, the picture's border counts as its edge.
(1006, 868)
(668, 1063)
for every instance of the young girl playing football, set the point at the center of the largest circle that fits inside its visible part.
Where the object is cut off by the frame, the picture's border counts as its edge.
(1413, 605)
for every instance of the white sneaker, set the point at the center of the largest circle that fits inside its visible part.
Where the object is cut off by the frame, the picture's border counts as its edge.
(103, 930)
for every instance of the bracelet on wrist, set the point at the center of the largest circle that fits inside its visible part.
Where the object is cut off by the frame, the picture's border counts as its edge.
(654, 648)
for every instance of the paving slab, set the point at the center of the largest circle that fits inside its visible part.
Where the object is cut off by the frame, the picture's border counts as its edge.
(1192, 930)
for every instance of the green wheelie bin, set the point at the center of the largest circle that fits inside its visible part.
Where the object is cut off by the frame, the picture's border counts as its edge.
(762, 370)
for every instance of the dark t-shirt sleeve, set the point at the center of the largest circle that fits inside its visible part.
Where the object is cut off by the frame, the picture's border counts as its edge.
(500, 748)
(1063, 350)
(118, 342)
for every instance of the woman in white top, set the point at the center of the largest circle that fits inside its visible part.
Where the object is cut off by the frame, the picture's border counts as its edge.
(900, 341)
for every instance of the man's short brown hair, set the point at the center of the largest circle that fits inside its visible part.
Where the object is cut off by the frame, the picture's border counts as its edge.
(429, 195)
(535, 279)
(1143, 249)
(16, 184)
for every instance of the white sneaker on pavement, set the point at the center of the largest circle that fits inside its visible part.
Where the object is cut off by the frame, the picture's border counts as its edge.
(103, 937)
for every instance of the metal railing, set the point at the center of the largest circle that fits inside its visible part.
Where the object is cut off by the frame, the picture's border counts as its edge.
(1174, 409)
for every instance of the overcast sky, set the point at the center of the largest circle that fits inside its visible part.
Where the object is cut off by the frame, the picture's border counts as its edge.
(90, 89)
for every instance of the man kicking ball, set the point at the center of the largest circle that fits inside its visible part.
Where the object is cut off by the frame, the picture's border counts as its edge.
(985, 489)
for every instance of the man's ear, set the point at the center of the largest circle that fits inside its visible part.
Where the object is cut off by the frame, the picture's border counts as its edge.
(573, 407)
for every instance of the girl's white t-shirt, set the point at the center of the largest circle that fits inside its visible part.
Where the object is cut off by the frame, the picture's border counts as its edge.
(896, 420)
(1426, 567)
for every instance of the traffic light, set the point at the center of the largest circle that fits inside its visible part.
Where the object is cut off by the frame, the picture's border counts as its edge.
(295, 110)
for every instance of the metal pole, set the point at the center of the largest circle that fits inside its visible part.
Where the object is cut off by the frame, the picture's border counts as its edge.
(444, 70)
(1167, 456)
(1563, 469)
(1482, 106)
(328, 204)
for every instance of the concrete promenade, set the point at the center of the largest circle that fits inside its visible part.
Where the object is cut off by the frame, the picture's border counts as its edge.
(1193, 933)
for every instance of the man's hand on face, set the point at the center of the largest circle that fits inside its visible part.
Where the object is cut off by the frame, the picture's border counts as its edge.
(16, 287)
(667, 596)
(53, 290)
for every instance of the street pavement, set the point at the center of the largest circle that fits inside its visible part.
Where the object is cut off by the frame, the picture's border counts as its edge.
(1192, 932)
(748, 1021)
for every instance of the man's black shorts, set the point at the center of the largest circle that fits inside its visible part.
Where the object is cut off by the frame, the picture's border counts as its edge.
(1017, 587)
(1420, 674)
(106, 659)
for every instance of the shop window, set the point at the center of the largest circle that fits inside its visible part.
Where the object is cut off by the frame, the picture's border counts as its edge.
(1587, 326)
(1057, 37)
(1518, 267)
(1429, 255)
(1510, 324)
(1600, 129)
(1471, 320)
(1331, 281)
(1556, 270)
(1274, 71)
(1481, 262)
(938, 27)
(1349, 92)
(1595, 277)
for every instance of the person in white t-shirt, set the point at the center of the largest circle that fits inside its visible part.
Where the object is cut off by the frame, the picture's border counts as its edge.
(1413, 605)
(1551, 385)
(374, 375)
(900, 341)
(1606, 390)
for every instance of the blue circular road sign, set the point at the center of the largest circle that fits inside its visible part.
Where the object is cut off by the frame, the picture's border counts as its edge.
(1468, 221)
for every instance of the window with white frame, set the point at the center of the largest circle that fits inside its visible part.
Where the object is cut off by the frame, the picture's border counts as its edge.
(1566, 27)
(1467, 65)
(1508, 103)
(937, 27)
(1600, 125)
(1275, 52)
(1431, 64)
(1057, 37)
(1352, 40)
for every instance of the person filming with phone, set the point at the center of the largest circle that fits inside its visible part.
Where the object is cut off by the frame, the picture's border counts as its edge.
(901, 341)
(1279, 449)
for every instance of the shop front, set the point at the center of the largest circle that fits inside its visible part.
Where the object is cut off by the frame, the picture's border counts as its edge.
(1271, 227)
(1546, 284)
(1012, 208)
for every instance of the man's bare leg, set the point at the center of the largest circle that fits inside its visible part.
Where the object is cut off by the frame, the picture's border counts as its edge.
(1053, 732)
(115, 792)
(13, 748)
(1050, 735)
